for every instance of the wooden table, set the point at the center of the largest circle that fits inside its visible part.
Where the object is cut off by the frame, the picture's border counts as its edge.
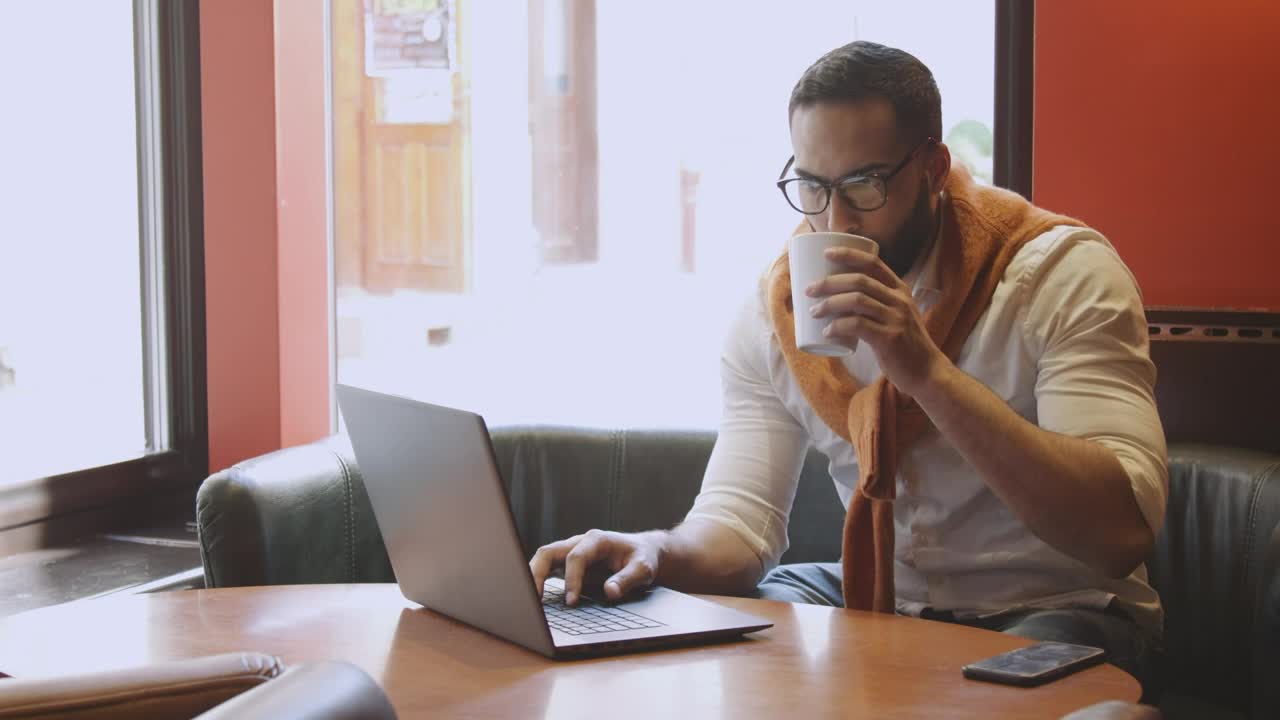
(814, 662)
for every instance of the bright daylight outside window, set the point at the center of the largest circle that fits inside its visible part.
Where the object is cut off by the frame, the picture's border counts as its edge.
(71, 350)
(550, 211)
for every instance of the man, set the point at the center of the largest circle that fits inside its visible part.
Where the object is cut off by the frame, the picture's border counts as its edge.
(994, 436)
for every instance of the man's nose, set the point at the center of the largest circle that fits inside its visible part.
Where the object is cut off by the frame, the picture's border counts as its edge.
(841, 218)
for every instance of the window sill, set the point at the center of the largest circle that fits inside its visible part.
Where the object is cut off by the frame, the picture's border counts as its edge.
(165, 557)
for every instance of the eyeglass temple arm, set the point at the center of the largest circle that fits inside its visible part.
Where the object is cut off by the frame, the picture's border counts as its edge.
(787, 167)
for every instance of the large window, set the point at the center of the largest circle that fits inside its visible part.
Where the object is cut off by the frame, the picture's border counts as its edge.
(101, 291)
(550, 213)
(70, 329)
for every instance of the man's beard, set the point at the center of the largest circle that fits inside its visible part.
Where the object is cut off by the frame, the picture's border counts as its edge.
(912, 238)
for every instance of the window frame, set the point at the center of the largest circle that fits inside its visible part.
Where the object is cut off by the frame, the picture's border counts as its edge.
(45, 511)
(1013, 155)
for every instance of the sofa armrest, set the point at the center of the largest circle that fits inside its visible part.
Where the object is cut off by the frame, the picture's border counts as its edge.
(298, 515)
(1210, 565)
(329, 690)
(1266, 664)
(179, 689)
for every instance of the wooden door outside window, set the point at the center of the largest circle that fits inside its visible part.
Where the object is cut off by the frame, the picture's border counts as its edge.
(401, 176)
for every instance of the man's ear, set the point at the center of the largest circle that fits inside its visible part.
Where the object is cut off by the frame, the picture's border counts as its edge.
(938, 167)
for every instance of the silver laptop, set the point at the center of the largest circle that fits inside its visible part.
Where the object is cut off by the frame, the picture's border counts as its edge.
(435, 488)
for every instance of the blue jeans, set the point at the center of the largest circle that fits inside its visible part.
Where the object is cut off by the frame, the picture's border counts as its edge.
(1128, 646)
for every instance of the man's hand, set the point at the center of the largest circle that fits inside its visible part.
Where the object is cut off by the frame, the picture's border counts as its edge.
(632, 558)
(873, 305)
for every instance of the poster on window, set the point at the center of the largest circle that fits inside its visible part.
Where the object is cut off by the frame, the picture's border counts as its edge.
(407, 35)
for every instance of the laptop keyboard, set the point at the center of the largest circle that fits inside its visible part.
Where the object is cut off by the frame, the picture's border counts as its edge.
(588, 617)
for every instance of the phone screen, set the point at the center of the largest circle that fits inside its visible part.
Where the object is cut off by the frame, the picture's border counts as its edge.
(1035, 663)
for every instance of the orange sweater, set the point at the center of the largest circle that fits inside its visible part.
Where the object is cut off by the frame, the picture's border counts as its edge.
(982, 229)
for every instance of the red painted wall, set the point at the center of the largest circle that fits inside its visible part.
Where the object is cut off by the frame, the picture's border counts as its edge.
(241, 294)
(1156, 124)
(305, 383)
(266, 248)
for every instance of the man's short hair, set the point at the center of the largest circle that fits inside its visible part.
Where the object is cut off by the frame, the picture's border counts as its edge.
(862, 70)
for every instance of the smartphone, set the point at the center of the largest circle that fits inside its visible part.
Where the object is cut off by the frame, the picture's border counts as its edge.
(1035, 664)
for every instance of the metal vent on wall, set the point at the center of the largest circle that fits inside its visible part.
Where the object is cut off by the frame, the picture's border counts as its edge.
(1213, 333)
(1216, 375)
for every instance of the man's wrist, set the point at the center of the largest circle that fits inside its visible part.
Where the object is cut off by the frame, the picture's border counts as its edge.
(663, 547)
(936, 382)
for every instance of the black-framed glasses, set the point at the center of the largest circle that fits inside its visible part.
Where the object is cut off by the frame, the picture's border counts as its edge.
(860, 192)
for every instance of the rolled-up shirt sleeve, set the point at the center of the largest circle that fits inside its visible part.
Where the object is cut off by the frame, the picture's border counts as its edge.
(751, 478)
(1095, 379)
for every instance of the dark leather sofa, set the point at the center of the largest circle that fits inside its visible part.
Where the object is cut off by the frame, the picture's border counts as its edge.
(301, 515)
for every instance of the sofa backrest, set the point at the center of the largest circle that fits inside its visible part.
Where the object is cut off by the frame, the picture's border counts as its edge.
(564, 481)
(1210, 568)
(301, 515)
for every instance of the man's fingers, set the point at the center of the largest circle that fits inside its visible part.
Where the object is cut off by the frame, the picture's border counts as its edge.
(852, 303)
(849, 328)
(844, 283)
(866, 263)
(590, 558)
(592, 547)
(548, 558)
(636, 575)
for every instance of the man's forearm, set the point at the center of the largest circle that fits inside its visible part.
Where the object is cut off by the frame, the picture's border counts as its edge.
(1072, 493)
(703, 556)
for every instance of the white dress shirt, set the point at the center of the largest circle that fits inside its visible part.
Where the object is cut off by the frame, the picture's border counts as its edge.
(1064, 343)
